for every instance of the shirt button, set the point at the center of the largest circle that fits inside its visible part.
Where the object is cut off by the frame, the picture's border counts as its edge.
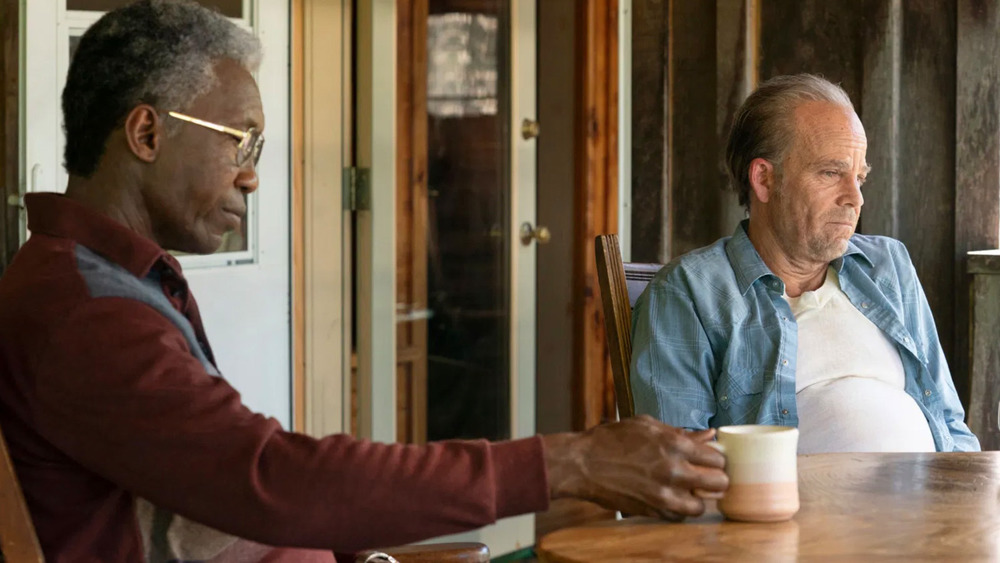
(906, 339)
(784, 362)
(784, 411)
(864, 305)
(784, 318)
(723, 398)
(927, 393)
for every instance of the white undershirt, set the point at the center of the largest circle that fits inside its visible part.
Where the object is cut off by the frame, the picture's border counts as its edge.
(849, 380)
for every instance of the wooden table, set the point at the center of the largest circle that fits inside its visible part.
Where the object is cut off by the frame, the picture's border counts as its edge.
(855, 507)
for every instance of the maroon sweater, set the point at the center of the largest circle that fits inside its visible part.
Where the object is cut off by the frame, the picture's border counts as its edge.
(104, 401)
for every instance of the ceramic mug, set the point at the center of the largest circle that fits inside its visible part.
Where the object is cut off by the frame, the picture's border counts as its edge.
(763, 473)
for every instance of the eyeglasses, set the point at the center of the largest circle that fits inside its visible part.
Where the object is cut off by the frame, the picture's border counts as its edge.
(251, 140)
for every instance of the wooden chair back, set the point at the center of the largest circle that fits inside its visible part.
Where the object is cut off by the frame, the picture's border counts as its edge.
(621, 284)
(18, 541)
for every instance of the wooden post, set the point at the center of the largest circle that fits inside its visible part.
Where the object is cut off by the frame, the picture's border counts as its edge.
(596, 203)
(411, 219)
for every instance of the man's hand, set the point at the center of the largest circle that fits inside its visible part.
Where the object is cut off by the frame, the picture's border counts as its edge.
(637, 466)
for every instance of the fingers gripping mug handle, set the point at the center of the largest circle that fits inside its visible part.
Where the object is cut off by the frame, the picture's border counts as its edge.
(710, 495)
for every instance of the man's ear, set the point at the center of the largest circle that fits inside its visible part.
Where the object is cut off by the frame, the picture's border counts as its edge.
(763, 179)
(143, 132)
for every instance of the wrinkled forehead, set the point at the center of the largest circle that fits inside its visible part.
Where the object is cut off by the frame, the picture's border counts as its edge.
(823, 126)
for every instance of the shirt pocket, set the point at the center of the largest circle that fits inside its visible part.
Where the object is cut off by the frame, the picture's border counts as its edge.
(738, 393)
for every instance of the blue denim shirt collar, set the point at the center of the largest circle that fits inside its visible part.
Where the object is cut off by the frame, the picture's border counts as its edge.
(749, 267)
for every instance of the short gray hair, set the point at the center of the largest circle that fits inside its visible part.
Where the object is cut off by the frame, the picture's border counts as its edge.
(764, 126)
(157, 52)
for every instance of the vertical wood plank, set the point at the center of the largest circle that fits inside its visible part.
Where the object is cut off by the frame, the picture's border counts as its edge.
(9, 136)
(404, 214)
(879, 112)
(411, 220)
(596, 203)
(985, 362)
(977, 168)
(693, 161)
(298, 221)
(649, 128)
(421, 227)
(927, 147)
(812, 36)
(736, 42)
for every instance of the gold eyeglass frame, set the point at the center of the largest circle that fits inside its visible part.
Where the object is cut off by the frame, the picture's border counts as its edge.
(252, 153)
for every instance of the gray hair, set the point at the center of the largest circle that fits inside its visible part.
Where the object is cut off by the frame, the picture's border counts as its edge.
(764, 126)
(157, 52)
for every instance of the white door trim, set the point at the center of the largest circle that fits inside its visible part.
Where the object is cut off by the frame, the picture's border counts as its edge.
(376, 228)
(326, 223)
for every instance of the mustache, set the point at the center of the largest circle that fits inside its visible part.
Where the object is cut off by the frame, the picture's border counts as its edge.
(845, 216)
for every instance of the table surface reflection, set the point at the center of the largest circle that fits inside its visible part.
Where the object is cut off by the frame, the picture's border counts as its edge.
(854, 507)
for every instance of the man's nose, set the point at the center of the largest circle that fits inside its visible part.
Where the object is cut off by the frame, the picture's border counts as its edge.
(247, 180)
(852, 192)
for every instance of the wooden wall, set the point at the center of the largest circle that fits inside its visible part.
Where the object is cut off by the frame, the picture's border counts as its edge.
(923, 75)
(596, 203)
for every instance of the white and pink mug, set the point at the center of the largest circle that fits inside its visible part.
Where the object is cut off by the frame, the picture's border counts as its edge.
(763, 473)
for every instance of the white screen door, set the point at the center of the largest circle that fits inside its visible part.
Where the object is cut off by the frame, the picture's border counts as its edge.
(243, 290)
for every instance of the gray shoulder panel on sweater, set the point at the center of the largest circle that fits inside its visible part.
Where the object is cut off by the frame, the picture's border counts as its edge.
(107, 279)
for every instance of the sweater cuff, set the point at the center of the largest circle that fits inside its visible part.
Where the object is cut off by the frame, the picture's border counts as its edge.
(522, 483)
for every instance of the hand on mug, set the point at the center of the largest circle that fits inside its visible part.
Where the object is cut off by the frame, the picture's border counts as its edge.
(637, 466)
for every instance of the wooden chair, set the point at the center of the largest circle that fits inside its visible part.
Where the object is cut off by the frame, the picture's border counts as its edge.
(19, 543)
(621, 285)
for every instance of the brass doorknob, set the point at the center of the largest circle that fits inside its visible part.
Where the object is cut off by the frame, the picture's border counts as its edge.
(530, 233)
(530, 129)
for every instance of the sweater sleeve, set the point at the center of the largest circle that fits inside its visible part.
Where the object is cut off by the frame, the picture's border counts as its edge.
(120, 393)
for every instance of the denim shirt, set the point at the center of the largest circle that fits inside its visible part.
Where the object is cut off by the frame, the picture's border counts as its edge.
(714, 342)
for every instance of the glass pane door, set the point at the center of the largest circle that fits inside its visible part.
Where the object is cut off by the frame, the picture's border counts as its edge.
(446, 289)
(469, 234)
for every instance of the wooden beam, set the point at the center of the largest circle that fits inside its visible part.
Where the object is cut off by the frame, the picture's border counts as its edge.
(596, 203)
(411, 219)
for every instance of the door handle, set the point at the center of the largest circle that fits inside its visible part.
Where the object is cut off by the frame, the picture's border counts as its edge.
(17, 200)
(405, 313)
(529, 233)
(530, 129)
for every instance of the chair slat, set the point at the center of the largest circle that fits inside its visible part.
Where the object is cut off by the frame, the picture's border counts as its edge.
(18, 541)
(621, 284)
